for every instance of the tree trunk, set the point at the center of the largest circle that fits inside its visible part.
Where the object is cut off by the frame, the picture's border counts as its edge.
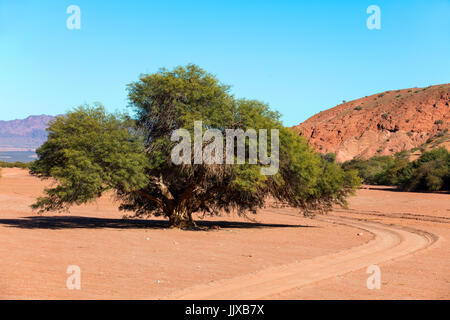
(182, 219)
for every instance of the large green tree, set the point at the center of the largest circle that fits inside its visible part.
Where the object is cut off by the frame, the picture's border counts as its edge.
(89, 152)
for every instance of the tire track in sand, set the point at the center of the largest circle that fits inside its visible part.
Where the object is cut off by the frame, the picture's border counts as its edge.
(390, 242)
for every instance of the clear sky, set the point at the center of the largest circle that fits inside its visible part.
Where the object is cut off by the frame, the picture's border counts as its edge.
(300, 57)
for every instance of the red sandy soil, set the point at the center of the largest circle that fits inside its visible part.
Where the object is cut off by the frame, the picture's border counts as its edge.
(282, 256)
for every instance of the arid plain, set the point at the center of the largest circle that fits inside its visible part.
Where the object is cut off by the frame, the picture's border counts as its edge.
(280, 255)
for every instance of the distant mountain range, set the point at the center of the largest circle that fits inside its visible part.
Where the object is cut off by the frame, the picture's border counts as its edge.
(23, 134)
(382, 124)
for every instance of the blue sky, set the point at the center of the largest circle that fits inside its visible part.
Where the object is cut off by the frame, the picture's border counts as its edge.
(300, 57)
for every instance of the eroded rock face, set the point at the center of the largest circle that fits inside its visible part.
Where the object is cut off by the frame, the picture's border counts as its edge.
(381, 124)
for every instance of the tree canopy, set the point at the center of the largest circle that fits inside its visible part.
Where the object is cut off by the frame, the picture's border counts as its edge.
(90, 151)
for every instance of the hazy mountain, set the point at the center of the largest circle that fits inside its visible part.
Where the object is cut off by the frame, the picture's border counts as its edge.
(23, 134)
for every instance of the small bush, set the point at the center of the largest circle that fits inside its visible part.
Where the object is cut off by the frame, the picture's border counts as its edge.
(431, 172)
(329, 157)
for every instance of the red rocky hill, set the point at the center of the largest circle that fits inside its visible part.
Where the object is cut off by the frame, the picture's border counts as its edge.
(382, 124)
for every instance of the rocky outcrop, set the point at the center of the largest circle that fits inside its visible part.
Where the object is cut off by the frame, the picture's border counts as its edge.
(381, 124)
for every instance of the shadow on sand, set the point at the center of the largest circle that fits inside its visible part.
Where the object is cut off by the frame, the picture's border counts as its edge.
(395, 189)
(74, 222)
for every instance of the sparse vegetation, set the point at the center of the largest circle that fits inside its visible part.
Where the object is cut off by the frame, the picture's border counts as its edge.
(371, 169)
(440, 121)
(431, 172)
(18, 164)
(358, 108)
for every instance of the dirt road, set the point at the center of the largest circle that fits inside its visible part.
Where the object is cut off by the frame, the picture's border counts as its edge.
(390, 242)
(281, 256)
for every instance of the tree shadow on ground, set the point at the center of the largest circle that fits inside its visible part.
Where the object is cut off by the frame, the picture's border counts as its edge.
(394, 189)
(76, 222)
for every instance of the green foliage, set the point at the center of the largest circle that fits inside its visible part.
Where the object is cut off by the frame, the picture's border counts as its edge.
(90, 151)
(390, 175)
(330, 157)
(440, 121)
(371, 169)
(431, 172)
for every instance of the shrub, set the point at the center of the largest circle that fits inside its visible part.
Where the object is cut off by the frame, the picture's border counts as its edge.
(431, 172)
(369, 170)
(329, 157)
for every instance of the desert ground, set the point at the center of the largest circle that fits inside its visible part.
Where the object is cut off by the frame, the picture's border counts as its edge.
(278, 255)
